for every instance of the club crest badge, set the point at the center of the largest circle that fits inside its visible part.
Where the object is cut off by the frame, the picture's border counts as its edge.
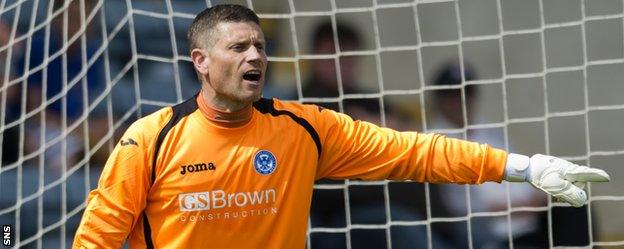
(264, 162)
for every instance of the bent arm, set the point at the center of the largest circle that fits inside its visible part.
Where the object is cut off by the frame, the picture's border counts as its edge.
(114, 207)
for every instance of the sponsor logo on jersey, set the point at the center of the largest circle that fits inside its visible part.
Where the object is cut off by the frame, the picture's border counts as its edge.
(218, 199)
(128, 141)
(191, 168)
(264, 162)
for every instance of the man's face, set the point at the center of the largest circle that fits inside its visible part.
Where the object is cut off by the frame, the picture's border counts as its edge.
(237, 62)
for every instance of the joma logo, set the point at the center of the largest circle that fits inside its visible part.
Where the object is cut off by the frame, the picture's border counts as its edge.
(197, 167)
(129, 141)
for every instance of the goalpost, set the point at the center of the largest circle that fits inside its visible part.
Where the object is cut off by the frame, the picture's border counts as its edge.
(529, 76)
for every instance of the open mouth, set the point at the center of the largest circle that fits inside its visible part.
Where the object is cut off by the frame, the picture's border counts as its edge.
(252, 75)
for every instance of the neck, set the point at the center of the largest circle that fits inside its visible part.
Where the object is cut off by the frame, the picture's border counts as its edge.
(226, 117)
(221, 103)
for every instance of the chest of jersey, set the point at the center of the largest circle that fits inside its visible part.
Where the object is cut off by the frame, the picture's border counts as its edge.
(214, 175)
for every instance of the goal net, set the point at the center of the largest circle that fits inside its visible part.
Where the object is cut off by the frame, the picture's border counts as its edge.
(529, 76)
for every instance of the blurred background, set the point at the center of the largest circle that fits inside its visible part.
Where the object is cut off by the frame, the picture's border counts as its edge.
(528, 76)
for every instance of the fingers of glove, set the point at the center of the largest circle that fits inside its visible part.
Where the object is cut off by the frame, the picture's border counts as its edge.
(573, 195)
(586, 174)
(553, 184)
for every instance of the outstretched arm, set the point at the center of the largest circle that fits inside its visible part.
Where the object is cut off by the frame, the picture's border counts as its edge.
(361, 150)
(355, 149)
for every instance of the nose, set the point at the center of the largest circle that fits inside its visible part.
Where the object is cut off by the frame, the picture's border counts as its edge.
(255, 55)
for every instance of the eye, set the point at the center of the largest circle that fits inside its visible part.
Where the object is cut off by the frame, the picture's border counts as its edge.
(260, 46)
(238, 47)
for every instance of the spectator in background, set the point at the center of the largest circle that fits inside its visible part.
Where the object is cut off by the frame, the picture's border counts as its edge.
(328, 206)
(323, 81)
(10, 136)
(50, 67)
(74, 65)
(324, 78)
(65, 61)
(528, 228)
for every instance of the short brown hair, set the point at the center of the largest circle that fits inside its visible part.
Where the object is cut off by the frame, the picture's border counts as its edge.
(202, 28)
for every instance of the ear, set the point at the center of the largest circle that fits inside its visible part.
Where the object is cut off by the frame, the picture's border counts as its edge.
(200, 61)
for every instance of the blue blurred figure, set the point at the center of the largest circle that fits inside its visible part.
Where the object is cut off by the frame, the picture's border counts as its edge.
(65, 62)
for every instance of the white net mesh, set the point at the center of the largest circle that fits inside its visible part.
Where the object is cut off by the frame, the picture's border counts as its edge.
(529, 76)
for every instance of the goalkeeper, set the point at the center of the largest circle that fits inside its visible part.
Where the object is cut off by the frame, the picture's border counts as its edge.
(229, 169)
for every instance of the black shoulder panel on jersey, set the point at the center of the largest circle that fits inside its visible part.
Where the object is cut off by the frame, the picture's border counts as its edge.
(266, 106)
(179, 111)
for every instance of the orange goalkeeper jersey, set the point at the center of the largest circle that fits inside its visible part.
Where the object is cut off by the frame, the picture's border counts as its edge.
(176, 180)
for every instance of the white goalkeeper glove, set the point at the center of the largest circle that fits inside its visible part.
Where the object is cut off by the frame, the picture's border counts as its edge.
(557, 177)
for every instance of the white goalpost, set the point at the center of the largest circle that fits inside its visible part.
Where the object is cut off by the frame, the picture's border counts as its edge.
(530, 77)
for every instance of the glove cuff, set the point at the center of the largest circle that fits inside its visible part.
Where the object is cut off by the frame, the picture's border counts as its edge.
(517, 168)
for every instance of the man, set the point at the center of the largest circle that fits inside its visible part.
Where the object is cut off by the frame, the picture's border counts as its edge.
(529, 229)
(228, 169)
(64, 76)
(323, 79)
(327, 207)
(70, 66)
